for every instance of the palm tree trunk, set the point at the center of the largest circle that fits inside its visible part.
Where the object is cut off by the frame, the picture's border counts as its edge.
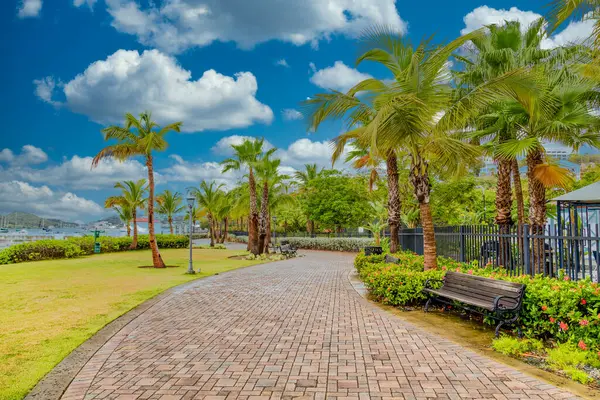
(262, 223)
(253, 222)
(516, 175)
(268, 236)
(157, 260)
(419, 177)
(211, 228)
(134, 242)
(225, 229)
(503, 209)
(171, 224)
(128, 229)
(393, 200)
(537, 209)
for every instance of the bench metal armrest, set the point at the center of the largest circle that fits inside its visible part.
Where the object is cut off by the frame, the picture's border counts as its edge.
(517, 299)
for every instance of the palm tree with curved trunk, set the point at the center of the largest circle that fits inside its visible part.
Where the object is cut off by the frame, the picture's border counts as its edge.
(303, 179)
(169, 204)
(139, 137)
(131, 198)
(209, 197)
(246, 156)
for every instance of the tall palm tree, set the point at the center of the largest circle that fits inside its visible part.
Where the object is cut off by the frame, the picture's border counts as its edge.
(209, 197)
(169, 204)
(360, 112)
(132, 198)
(418, 112)
(361, 157)
(562, 112)
(139, 137)
(303, 179)
(267, 171)
(246, 156)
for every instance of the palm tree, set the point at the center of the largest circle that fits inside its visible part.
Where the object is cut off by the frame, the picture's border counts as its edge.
(246, 156)
(169, 204)
(303, 178)
(267, 171)
(132, 198)
(361, 157)
(418, 111)
(145, 139)
(124, 213)
(360, 112)
(209, 197)
(561, 112)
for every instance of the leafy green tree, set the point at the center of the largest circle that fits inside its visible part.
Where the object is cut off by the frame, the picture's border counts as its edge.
(336, 201)
(303, 179)
(131, 198)
(144, 140)
(246, 156)
(267, 171)
(169, 204)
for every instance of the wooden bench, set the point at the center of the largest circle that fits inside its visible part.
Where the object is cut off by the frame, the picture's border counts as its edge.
(288, 250)
(373, 250)
(494, 298)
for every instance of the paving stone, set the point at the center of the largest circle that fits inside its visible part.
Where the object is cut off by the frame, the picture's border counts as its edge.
(293, 329)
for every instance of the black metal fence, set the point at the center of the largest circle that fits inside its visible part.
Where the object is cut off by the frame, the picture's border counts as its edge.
(520, 251)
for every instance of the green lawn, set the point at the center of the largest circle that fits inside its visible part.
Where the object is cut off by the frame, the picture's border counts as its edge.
(48, 308)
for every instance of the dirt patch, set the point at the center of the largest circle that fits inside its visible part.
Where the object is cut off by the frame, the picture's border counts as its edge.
(152, 266)
(237, 257)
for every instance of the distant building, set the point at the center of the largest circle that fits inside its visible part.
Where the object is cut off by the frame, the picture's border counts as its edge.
(558, 153)
(489, 167)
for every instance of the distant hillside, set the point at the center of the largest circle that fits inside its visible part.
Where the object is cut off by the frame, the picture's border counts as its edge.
(32, 221)
(113, 220)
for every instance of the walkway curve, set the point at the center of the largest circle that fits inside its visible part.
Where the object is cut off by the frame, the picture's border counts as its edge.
(289, 329)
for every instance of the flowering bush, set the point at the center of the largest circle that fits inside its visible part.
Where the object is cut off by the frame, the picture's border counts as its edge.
(553, 308)
(40, 250)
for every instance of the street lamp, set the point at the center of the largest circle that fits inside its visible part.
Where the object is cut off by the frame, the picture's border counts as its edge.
(190, 201)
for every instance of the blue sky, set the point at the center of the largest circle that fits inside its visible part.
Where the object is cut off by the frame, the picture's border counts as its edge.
(226, 68)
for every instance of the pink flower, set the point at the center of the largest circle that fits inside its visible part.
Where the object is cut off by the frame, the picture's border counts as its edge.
(457, 269)
(583, 322)
(563, 326)
(583, 302)
(470, 272)
(544, 308)
(582, 345)
(552, 320)
(444, 268)
(566, 278)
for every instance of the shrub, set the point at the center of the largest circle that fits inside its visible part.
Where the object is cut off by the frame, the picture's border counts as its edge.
(514, 347)
(77, 246)
(332, 244)
(39, 250)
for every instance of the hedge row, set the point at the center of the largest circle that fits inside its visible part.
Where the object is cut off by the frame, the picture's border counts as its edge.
(553, 308)
(321, 243)
(52, 249)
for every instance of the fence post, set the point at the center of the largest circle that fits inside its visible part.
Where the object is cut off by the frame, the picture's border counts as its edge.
(526, 254)
(461, 232)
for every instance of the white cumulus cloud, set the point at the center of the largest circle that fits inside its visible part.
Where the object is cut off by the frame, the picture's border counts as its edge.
(29, 155)
(76, 173)
(176, 25)
(29, 8)
(134, 82)
(89, 3)
(575, 32)
(44, 202)
(305, 151)
(338, 77)
(282, 63)
(185, 171)
(289, 114)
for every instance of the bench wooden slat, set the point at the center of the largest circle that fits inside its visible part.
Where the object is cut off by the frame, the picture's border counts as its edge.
(492, 283)
(481, 291)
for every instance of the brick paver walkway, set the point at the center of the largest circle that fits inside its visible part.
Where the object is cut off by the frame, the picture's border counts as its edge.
(291, 329)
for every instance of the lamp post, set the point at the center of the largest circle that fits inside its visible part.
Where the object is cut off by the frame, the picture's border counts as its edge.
(190, 201)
